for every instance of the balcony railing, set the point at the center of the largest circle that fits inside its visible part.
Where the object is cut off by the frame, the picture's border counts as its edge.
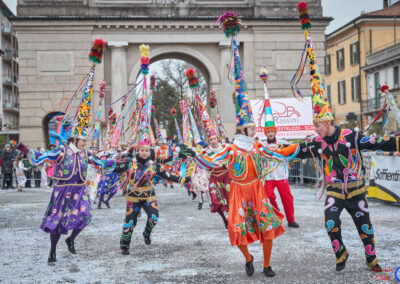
(375, 104)
(6, 29)
(7, 54)
(7, 80)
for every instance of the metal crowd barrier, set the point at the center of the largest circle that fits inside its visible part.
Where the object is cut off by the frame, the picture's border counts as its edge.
(303, 172)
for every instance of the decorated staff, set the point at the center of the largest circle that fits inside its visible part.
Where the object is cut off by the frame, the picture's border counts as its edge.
(158, 131)
(205, 118)
(178, 132)
(185, 122)
(82, 120)
(97, 126)
(215, 114)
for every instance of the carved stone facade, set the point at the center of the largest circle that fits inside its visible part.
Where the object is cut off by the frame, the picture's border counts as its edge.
(53, 50)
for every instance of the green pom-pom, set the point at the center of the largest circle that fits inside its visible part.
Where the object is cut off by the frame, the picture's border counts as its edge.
(306, 26)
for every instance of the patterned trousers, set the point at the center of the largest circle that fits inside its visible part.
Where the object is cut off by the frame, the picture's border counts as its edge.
(132, 212)
(357, 207)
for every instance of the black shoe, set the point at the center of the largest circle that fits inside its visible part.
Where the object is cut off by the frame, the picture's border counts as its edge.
(226, 225)
(52, 257)
(376, 268)
(172, 186)
(99, 206)
(147, 239)
(194, 195)
(70, 245)
(125, 251)
(107, 204)
(293, 225)
(200, 205)
(342, 265)
(268, 271)
(250, 267)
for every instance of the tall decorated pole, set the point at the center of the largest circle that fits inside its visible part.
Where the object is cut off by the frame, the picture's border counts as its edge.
(157, 128)
(269, 119)
(231, 25)
(205, 118)
(320, 103)
(82, 120)
(97, 126)
(185, 122)
(215, 113)
(178, 132)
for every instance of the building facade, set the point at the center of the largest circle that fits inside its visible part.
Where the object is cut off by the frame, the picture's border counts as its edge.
(382, 68)
(9, 106)
(54, 41)
(347, 51)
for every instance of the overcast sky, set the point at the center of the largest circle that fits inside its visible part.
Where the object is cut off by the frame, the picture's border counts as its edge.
(342, 11)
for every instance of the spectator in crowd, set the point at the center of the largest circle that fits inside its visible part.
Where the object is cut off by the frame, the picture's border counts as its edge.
(43, 173)
(19, 172)
(37, 173)
(7, 167)
(28, 172)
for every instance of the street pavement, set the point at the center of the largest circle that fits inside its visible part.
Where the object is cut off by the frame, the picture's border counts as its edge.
(188, 245)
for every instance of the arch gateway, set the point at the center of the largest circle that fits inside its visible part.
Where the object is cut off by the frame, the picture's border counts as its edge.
(55, 36)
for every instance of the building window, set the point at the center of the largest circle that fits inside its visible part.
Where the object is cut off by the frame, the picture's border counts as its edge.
(354, 53)
(327, 64)
(396, 76)
(355, 88)
(328, 93)
(342, 92)
(340, 59)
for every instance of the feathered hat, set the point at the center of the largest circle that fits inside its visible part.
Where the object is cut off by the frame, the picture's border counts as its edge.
(81, 128)
(321, 108)
(205, 118)
(231, 25)
(269, 119)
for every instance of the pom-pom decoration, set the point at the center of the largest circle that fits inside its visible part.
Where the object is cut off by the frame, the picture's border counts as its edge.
(303, 15)
(213, 102)
(96, 52)
(152, 83)
(173, 112)
(144, 59)
(385, 89)
(13, 143)
(230, 23)
(192, 78)
(102, 89)
(264, 75)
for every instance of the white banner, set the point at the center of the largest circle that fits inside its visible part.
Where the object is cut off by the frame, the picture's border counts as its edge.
(385, 173)
(293, 118)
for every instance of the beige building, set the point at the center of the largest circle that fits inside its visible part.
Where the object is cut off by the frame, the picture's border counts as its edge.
(9, 93)
(54, 42)
(347, 50)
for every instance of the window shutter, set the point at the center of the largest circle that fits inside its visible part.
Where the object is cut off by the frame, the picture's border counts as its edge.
(339, 94)
(344, 92)
(337, 60)
(352, 89)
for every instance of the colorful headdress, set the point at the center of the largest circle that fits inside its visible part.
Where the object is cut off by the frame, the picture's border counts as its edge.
(231, 25)
(205, 118)
(321, 108)
(145, 112)
(80, 129)
(269, 119)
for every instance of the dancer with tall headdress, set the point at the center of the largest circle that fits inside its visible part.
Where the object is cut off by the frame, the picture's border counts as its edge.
(69, 207)
(338, 154)
(251, 218)
(141, 172)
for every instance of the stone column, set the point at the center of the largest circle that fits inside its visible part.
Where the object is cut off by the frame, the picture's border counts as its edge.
(224, 96)
(119, 77)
